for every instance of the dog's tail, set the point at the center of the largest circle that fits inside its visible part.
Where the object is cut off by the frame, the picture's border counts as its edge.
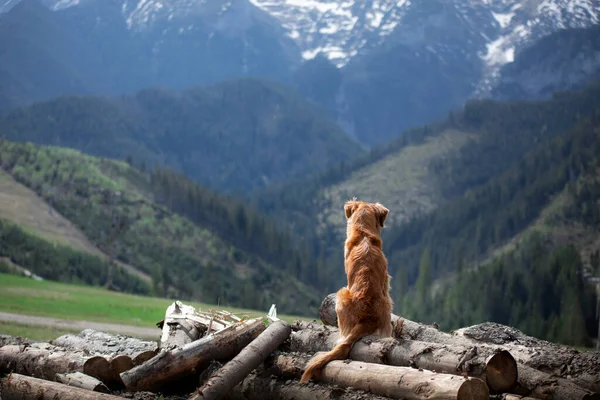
(339, 352)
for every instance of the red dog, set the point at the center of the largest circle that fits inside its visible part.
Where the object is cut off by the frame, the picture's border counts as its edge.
(364, 307)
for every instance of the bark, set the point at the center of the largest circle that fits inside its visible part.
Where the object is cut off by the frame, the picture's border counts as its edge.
(178, 328)
(172, 365)
(97, 342)
(540, 385)
(20, 387)
(45, 361)
(255, 387)
(497, 369)
(552, 358)
(219, 385)
(83, 381)
(562, 361)
(389, 381)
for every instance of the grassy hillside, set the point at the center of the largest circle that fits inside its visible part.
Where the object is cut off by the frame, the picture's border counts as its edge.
(234, 137)
(193, 243)
(23, 207)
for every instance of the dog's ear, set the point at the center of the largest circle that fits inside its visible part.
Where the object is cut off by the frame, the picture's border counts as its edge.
(350, 207)
(382, 214)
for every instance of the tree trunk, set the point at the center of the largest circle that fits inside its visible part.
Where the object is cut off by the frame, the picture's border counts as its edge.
(541, 385)
(83, 381)
(497, 369)
(255, 387)
(219, 385)
(552, 358)
(97, 342)
(45, 361)
(562, 361)
(395, 382)
(19, 387)
(172, 365)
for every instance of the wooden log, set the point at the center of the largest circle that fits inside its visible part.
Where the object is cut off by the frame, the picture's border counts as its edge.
(45, 361)
(540, 385)
(179, 328)
(256, 387)
(384, 380)
(219, 385)
(553, 358)
(172, 365)
(21, 387)
(563, 361)
(497, 368)
(97, 342)
(83, 381)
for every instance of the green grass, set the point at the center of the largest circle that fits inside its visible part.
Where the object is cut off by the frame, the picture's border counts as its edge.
(21, 295)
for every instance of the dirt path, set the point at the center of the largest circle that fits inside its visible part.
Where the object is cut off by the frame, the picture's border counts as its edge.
(136, 331)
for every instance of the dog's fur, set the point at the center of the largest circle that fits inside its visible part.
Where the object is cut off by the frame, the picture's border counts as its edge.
(364, 307)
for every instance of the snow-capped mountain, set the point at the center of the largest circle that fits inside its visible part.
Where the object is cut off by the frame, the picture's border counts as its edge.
(401, 63)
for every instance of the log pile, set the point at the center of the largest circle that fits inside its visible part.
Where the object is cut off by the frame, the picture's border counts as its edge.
(218, 355)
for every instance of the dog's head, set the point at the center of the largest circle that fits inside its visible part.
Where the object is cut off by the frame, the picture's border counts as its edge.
(370, 216)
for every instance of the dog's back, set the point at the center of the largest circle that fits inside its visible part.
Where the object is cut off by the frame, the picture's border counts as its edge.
(363, 307)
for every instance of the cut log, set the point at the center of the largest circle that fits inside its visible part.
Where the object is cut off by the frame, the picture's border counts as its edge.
(255, 387)
(384, 380)
(552, 358)
(83, 381)
(97, 342)
(219, 385)
(560, 360)
(172, 365)
(497, 368)
(19, 387)
(45, 361)
(538, 384)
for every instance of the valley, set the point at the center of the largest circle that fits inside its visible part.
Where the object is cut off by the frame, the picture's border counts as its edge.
(203, 151)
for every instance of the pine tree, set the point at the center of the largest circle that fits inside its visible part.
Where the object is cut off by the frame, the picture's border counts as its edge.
(425, 278)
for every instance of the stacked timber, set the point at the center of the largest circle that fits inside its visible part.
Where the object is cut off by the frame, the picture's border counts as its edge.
(219, 355)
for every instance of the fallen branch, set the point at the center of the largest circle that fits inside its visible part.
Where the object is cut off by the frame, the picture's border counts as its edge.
(255, 387)
(97, 342)
(45, 361)
(497, 369)
(19, 387)
(552, 358)
(172, 365)
(384, 380)
(83, 381)
(219, 385)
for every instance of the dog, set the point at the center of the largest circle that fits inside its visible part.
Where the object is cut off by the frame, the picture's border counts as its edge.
(364, 307)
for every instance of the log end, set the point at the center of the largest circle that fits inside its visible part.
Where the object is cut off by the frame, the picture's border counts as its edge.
(99, 368)
(327, 310)
(501, 372)
(143, 356)
(473, 389)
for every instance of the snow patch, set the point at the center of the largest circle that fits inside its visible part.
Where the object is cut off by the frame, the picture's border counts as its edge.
(503, 19)
(499, 52)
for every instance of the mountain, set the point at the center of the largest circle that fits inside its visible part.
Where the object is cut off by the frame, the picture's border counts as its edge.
(427, 169)
(565, 60)
(191, 242)
(114, 47)
(547, 205)
(493, 214)
(438, 55)
(398, 63)
(235, 137)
